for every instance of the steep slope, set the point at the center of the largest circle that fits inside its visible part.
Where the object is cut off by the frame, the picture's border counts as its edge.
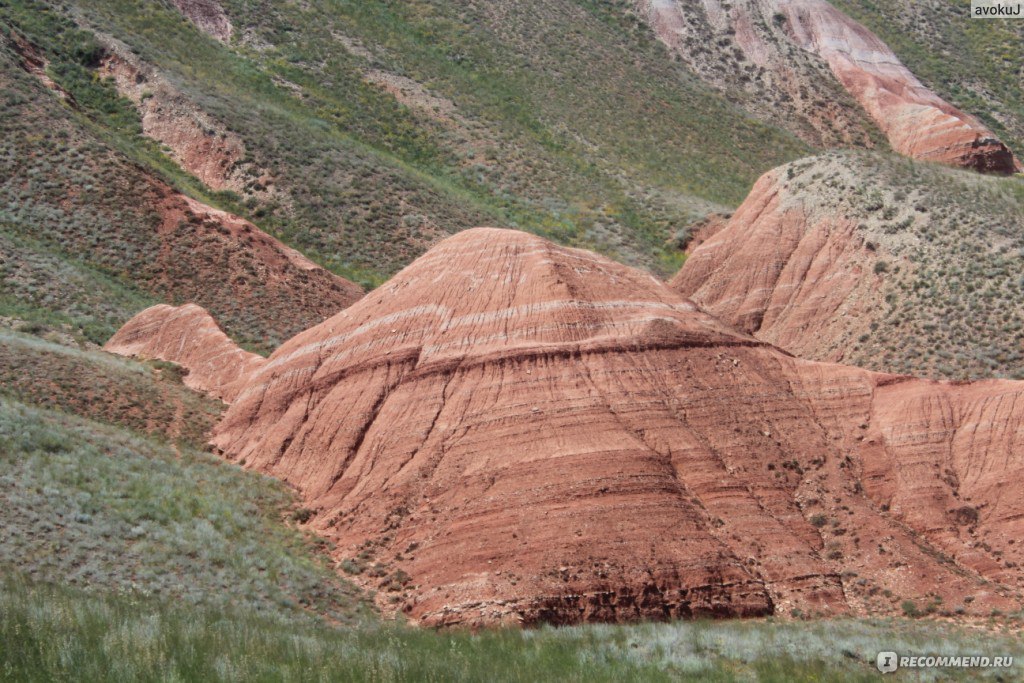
(75, 206)
(188, 336)
(363, 132)
(868, 260)
(973, 64)
(510, 431)
(757, 36)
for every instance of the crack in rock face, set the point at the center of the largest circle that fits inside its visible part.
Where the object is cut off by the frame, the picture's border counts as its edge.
(509, 431)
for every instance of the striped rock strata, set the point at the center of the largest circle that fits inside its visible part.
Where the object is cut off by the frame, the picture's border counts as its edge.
(188, 336)
(513, 432)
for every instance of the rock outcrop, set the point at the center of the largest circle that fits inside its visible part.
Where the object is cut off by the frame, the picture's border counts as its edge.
(208, 16)
(865, 259)
(756, 36)
(188, 336)
(513, 432)
(795, 277)
(199, 143)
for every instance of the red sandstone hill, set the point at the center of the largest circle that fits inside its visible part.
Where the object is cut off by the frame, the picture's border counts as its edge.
(189, 336)
(513, 432)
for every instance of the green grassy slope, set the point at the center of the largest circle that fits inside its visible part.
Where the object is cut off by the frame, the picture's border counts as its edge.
(147, 398)
(54, 633)
(93, 505)
(566, 121)
(975, 64)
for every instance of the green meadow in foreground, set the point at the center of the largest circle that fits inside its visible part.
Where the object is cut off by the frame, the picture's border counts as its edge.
(50, 633)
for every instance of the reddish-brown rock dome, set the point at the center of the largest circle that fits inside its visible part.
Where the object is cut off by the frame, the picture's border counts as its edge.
(512, 431)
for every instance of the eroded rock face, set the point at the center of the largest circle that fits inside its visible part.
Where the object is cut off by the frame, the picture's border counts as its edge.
(514, 432)
(756, 37)
(917, 122)
(208, 16)
(199, 143)
(786, 272)
(872, 261)
(189, 336)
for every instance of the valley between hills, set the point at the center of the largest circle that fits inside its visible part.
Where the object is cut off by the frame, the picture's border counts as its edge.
(518, 340)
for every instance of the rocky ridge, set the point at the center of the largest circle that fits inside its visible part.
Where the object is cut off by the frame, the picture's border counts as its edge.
(188, 336)
(757, 38)
(514, 432)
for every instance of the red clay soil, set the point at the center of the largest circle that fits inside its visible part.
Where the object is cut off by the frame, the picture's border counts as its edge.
(188, 336)
(509, 431)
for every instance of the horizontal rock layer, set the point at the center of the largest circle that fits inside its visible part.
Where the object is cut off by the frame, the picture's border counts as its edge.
(513, 432)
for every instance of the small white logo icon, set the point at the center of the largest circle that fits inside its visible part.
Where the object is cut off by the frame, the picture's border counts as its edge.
(887, 662)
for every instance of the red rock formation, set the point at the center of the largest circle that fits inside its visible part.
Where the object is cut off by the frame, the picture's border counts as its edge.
(798, 278)
(512, 431)
(208, 16)
(872, 261)
(916, 121)
(189, 336)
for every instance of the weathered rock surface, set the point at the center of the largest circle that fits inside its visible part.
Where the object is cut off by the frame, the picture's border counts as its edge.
(917, 122)
(756, 36)
(188, 336)
(511, 431)
(797, 278)
(208, 16)
(861, 258)
(199, 143)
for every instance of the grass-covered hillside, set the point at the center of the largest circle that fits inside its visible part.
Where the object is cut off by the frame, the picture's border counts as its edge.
(386, 125)
(92, 505)
(947, 248)
(53, 372)
(973, 63)
(56, 633)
